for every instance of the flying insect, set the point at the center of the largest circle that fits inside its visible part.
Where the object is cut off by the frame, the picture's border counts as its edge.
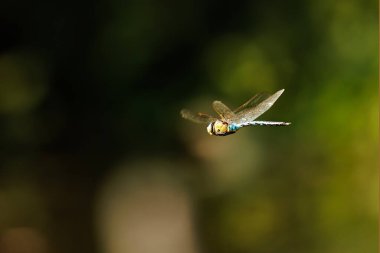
(230, 122)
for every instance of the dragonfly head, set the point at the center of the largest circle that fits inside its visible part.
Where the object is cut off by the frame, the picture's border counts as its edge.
(209, 128)
(217, 128)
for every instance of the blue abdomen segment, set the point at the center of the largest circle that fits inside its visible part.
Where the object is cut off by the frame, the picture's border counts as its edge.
(233, 127)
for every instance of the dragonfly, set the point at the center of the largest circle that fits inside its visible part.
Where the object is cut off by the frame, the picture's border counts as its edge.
(230, 122)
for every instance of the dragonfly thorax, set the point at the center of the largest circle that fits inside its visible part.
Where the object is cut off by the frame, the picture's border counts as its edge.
(219, 127)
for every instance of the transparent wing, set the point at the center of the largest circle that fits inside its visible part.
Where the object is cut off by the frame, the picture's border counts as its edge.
(224, 112)
(251, 110)
(255, 100)
(197, 117)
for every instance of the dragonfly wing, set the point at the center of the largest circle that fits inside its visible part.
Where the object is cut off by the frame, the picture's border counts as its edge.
(224, 112)
(252, 112)
(197, 117)
(255, 100)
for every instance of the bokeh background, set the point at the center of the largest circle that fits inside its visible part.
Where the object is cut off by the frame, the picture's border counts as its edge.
(95, 157)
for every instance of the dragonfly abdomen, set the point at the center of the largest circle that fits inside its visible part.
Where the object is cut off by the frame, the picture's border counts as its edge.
(265, 123)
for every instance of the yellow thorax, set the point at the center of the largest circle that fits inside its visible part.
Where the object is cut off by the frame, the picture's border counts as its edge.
(220, 127)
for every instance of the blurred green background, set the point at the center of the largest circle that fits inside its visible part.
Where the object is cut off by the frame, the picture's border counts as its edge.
(95, 157)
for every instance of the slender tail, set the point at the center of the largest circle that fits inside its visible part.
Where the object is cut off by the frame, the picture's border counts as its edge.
(266, 123)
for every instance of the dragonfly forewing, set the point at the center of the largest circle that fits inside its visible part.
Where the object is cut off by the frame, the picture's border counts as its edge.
(224, 112)
(250, 113)
(255, 100)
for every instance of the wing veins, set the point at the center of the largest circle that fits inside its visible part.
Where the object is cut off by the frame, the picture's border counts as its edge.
(223, 111)
(251, 113)
(197, 117)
